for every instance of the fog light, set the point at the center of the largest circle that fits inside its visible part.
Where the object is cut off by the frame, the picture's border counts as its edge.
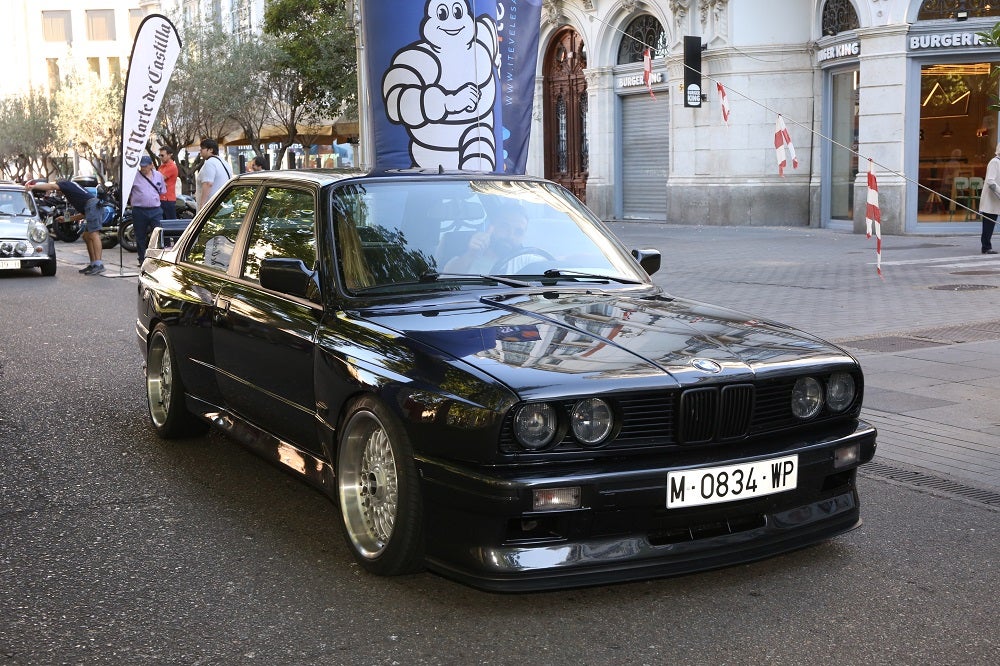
(554, 499)
(846, 456)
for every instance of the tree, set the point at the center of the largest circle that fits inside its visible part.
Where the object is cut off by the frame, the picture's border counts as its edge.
(89, 120)
(27, 136)
(316, 73)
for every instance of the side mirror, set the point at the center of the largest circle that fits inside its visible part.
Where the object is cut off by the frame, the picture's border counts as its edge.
(289, 276)
(649, 259)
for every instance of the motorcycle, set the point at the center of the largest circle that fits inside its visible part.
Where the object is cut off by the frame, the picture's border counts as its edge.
(186, 208)
(66, 224)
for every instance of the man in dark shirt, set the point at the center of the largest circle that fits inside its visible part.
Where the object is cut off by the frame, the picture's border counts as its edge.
(87, 204)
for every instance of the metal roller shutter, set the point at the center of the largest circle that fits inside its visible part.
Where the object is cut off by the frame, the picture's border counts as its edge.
(645, 156)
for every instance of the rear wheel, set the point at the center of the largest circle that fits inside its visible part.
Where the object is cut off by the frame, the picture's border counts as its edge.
(379, 491)
(165, 391)
(68, 232)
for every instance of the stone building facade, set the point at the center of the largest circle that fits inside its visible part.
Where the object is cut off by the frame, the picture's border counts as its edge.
(907, 84)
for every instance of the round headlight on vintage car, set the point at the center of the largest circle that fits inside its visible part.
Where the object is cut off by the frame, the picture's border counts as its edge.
(807, 397)
(38, 233)
(535, 425)
(840, 391)
(592, 420)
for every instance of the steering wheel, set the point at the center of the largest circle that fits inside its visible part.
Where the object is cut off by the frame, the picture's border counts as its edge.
(524, 251)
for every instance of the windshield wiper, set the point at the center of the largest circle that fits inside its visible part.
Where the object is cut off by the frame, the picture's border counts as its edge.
(433, 276)
(562, 272)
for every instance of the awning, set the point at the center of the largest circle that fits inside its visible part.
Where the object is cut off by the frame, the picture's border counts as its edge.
(338, 131)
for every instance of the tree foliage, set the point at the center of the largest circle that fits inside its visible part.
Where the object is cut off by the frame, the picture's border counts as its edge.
(27, 136)
(89, 121)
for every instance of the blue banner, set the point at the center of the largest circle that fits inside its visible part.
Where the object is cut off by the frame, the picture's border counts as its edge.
(451, 82)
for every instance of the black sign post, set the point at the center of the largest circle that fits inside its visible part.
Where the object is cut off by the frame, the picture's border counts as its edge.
(692, 71)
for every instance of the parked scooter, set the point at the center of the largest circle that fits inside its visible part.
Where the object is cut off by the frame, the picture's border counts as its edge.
(67, 224)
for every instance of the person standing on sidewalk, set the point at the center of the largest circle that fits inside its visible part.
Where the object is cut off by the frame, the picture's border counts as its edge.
(989, 202)
(87, 205)
(213, 174)
(168, 169)
(145, 198)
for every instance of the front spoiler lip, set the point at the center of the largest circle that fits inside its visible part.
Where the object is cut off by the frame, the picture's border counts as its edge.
(623, 559)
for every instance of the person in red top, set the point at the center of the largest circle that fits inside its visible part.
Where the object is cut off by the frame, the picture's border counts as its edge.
(168, 169)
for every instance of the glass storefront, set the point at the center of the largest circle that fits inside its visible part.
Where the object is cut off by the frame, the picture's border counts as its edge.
(958, 135)
(844, 132)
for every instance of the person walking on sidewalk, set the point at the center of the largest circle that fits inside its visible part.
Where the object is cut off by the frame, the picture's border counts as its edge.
(145, 198)
(168, 169)
(87, 206)
(989, 202)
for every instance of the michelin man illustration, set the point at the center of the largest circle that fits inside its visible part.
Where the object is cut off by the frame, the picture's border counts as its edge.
(442, 88)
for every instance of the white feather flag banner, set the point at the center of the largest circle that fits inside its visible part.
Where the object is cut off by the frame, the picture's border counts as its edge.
(154, 54)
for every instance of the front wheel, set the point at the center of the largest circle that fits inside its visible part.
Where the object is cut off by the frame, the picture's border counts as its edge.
(165, 391)
(379, 491)
(68, 232)
(126, 234)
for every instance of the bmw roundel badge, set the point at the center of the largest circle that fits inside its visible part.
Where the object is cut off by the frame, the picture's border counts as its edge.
(706, 365)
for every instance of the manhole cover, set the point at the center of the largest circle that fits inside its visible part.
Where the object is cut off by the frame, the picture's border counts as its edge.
(963, 287)
(985, 272)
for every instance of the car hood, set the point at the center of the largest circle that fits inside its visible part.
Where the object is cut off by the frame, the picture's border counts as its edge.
(609, 341)
(15, 228)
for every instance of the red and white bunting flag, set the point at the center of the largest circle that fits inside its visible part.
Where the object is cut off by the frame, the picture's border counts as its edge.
(873, 216)
(724, 102)
(647, 72)
(781, 140)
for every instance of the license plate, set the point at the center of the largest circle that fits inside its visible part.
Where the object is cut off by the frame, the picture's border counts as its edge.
(7, 264)
(729, 483)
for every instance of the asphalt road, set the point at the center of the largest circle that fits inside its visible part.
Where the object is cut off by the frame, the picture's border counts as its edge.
(117, 548)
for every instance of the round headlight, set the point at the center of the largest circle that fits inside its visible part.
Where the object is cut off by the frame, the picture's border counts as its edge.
(807, 398)
(840, 391)
(38, 233)
(535, 425)
(592, 420)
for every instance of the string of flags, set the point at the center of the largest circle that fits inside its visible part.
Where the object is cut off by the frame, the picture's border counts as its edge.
(783, 140)
(873, 216)
(647, 72)
(724, 102)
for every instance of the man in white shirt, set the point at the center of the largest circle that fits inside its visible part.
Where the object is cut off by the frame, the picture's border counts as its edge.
(213, 174)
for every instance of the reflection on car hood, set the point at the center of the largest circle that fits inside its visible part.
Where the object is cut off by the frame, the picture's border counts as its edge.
(609, 340)
(14, 228)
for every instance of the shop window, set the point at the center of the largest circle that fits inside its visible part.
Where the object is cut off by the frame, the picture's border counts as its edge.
(642, 33)
(953, 9)
(838, 16)
(958, 133)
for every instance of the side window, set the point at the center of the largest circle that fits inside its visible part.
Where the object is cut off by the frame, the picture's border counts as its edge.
(285, 227)
(213, 246)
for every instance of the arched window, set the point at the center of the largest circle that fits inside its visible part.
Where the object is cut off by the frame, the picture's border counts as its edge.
(949, 9)
(838, 16)
(642, 33)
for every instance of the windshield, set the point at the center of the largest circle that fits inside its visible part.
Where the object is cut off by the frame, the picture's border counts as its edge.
(409, 234)
(16, 202)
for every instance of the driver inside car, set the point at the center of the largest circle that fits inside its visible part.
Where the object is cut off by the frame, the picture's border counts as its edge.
(498, 249)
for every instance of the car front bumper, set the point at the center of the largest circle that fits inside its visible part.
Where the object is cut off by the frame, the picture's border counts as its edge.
(484, 532)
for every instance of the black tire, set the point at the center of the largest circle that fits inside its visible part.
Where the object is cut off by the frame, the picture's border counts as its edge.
(126, 234)
(68, 232)
(49, 268)
(379, 491)
(165, 392)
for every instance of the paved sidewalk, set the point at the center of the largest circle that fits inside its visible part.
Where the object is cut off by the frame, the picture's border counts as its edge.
(927, 333)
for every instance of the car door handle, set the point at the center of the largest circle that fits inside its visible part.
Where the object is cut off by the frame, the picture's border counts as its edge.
(221, 310)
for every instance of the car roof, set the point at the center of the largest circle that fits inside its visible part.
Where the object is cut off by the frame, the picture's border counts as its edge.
(323, 177)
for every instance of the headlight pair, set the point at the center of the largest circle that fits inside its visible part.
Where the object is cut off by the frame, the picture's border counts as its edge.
(538, 425)
(810, 394)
